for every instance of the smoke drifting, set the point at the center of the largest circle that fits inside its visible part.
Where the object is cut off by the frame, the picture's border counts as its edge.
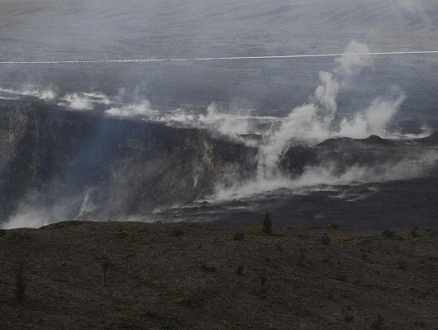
(142, 109)
(313, 122)
(309, 124)
(373, 120)
(33, 212)
(316, 121)
(42, 94)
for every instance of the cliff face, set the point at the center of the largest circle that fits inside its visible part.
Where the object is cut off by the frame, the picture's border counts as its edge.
(81, 165)
(378, 156)
(57, 165)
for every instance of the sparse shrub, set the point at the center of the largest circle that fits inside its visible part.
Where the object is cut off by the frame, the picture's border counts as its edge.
(20, 284)
(239, 269)
(256, 231)
(263, 279)
(420, 324)
(230, 323)
(62, 225)
(378, 323)
(326, 239)
(121, 233)
(301, 260)
(238, 235)
(334, 225)
(331, 296)
(267, 224)
(159, 285)
(129, 309)
(177, 232)
(388, 233)
(208, 268)
(342, 278)
(414, 232)
(348, 318)
(106, 265)
(131, 252)
(402, 264)
(190, 301)
(279, 246)
(258, 289)
(166, 326)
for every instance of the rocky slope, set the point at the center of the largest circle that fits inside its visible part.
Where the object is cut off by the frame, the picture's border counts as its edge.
(77, 164)
(191, 276)
(57, 164)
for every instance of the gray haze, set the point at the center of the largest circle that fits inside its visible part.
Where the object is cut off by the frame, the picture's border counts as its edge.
(89, 30)
(72, 29)
(311, 99)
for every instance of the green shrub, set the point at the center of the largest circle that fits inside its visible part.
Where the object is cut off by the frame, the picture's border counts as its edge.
(378, 323)
(258, 289)
(159, 285)
(177, 232)
(388, 233)
(239, 269)
(208, 268)
(238, 236)
(414, 232)
(106, 265)
(348, 318)
(20, 284)
(190, 301)
(334, 225)
(121, 234)
(166, 326)
(301, 260)
(267, 224)
(402, 264)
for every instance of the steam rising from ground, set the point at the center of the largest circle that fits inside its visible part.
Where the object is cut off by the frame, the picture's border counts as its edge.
(141, 109)
(314, 121)
(42, 94)
(32, 212)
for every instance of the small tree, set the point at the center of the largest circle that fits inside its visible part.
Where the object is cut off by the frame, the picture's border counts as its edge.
(106, 265)
(267, 224)
(20, 284)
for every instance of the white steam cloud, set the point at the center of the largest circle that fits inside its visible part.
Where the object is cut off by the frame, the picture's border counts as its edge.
(84, 101)
(32, 213)
(215, 119)
(316, 121)
(141, 109)
(373, 120)
(76, 102)
(312, 122)
(42, 94)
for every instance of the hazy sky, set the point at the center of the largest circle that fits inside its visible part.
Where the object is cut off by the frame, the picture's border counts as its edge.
(131, 29)
(78, 29)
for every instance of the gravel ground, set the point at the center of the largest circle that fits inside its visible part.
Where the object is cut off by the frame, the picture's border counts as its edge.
(198, 276)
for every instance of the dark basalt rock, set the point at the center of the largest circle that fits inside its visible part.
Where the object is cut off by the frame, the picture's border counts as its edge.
(343, 153)
(430, 140)
(122, 167)
(82, 165)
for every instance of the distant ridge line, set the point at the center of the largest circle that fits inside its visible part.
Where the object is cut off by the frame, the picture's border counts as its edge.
(229, 58)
